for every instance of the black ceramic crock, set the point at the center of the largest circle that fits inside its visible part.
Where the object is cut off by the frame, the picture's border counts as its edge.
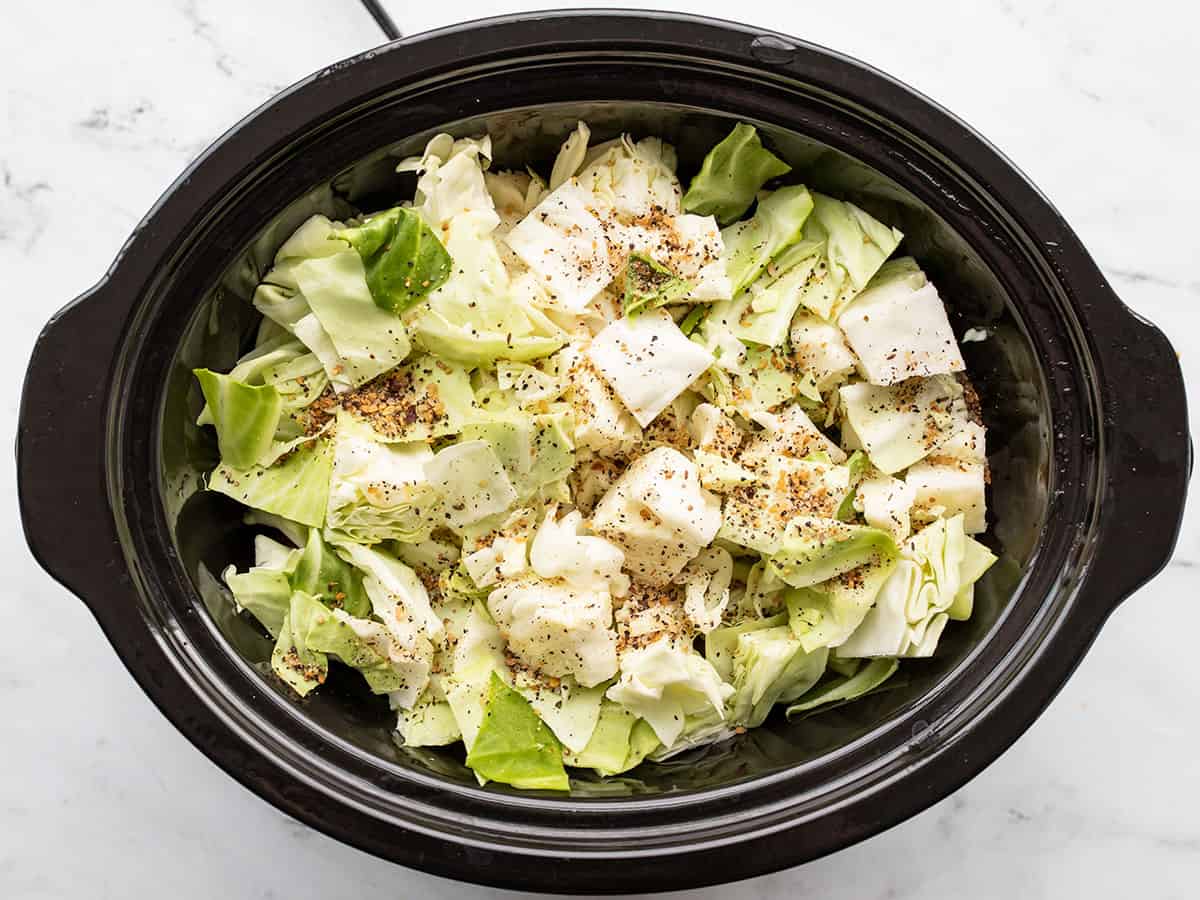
(1084, 402)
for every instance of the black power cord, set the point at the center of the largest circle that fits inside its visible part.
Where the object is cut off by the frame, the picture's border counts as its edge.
(385, 21)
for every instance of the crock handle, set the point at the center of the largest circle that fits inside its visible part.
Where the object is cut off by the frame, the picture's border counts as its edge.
(1148, 456)
(60, 446)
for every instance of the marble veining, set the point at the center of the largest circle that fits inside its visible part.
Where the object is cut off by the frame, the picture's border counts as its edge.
(28, 216)
(100, 797)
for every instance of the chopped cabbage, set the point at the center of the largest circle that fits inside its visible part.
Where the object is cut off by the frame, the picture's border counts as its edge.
(570, 155)
(648, 362)
(900, 424)
(312, 632)
(402, 258)
(777, 224)
(472, 483)
(665, 683)
(731, 175)
(759, 515)
(813, 549)
(658, 513)
(619, 742)
(884, 502)
(649, 285)
(914, 603)
(380, 491)
(296, 487)
(653, 471)
(246, 418)
(536, 450)
(561, 629)
(770, 666)
(789, 433)
(821, 350)
(950, 487)
(513, 746)
(706, 581)
(602, 423)
(366, 340)
(634, 178)
(844, 689)
(853, 247)
(898, 327)
(565, 245)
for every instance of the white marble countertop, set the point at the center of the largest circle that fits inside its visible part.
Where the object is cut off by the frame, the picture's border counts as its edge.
(102, 105)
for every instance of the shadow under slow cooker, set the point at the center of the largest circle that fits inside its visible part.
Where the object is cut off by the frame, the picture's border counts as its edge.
(210, 535)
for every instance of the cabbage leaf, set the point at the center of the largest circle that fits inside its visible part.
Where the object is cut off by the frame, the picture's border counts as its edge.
(296, 487)
(246, 417)
(777, 224)
(513, 746)
(731, 175)
(402, 258)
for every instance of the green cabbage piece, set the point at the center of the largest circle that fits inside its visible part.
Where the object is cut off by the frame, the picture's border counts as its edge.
(246, 417)
(762, 515)
(527, 383)
(366, 340)
(770, 665)
(296, 487)
(284, 363)
(519, 333)
(297, 375)
(814, 550)
(430, 723)
(536, 450)
(478, 316)
(720, 644)
(385, 577)
(843, 690)
(570, 711)
(767, 381)
(762, 314)
(857, 464)
(266, 589)
(402, 257)
(649, 285)
(315, 633)
(432, 556)
(765, 595)
(278, 297)
(478, 653)
(513, 746)
(264, 593)
(301, 669)
(977, 559)
(570, 156)
(693, 320)
(935, 574)
(317, 291)
(844, 667)
(826, 615)
(731, 175)
(777, 224)
(378, 491)
(901, 424)
(428, 397)
(281, 362)
(472, 483)
(321, 573)
(853, 247)
(619, 742)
